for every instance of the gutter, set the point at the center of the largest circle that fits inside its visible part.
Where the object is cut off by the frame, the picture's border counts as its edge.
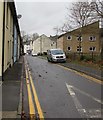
(3, 42)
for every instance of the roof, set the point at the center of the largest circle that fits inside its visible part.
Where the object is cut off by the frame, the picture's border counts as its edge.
(53, 38)
(90, 28)
(14, 13)
(55, 49)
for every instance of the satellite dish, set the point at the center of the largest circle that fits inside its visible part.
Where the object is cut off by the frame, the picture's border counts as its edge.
(19, 16)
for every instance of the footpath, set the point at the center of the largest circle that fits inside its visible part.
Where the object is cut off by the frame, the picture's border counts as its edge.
(12, 88)
(12, 92)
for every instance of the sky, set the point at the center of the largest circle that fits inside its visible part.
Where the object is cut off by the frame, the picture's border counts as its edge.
(42, 16)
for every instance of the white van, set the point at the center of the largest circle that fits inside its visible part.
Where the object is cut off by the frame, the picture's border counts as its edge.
(56, 55)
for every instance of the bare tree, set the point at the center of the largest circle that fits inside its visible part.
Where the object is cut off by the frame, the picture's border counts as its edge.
(79, 15)
(97, 6)
(63, 29)
(25, 37)
(35, 36)
(82, 14)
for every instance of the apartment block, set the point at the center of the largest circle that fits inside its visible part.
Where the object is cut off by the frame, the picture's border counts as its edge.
(84, 40)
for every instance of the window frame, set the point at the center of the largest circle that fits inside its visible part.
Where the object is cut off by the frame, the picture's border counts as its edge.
(70, 48)
(93, 38)
(79, 48)
(70, 37)
(92, 48)
(78, 38)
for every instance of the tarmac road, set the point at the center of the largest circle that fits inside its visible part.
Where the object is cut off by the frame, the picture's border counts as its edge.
(63, 93)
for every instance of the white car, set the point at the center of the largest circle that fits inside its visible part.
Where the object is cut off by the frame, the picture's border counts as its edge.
(34, 54)
(56, 55)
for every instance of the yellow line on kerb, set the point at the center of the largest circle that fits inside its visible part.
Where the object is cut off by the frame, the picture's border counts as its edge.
(84, 75)
(36, 98)
(30, 99)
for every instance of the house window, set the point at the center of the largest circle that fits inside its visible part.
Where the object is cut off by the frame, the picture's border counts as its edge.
(69, 37)
(79, 49)
(69, 48)
(92, 38)
(79, 38)
(92, 48)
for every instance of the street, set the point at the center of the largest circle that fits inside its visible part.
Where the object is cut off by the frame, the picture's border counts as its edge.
(61, 92)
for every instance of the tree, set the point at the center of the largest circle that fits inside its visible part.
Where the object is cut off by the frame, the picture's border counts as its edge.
(35, 36)
(25, 37)
(97, 6)
(79, 15)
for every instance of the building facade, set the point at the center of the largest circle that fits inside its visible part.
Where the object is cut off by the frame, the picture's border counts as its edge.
(42, 44)
(10, 38)
(84, 40)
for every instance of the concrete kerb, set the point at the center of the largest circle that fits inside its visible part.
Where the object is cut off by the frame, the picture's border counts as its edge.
(20, 105)
(85, 72)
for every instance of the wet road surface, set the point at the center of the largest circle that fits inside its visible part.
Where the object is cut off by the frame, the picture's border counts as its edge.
(62, 93)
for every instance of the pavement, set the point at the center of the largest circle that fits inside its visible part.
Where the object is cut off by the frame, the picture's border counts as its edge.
(12, 92)
(12, 88)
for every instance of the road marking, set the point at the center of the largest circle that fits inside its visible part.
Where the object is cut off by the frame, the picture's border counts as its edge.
(92, 113)
(41, 116)
(78, 105)
(86, 94)
(95, 113)
(30, 99)
(36, 98)
(83, 75)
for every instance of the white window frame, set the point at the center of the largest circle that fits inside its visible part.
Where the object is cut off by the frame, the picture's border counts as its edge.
(70, 48)
(93, 38)
(92, 48)
(81, 38)
(70, 37)
(80, 49)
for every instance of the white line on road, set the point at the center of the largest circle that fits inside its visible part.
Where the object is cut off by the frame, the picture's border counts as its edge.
(78, 105)
(94, 113)
(88, 95)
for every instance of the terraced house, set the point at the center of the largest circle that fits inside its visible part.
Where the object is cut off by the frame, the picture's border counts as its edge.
(84, 40)
(10, 38)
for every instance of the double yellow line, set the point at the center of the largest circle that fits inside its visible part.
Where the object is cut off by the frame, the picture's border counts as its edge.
(30, 86)
(83, 75)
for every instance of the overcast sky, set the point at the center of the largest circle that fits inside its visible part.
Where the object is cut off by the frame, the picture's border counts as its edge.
(41, 17)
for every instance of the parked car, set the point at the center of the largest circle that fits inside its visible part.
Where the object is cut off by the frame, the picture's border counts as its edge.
(34, 54)
(56, 55)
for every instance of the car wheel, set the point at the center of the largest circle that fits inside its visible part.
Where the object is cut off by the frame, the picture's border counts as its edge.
(48, 59)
